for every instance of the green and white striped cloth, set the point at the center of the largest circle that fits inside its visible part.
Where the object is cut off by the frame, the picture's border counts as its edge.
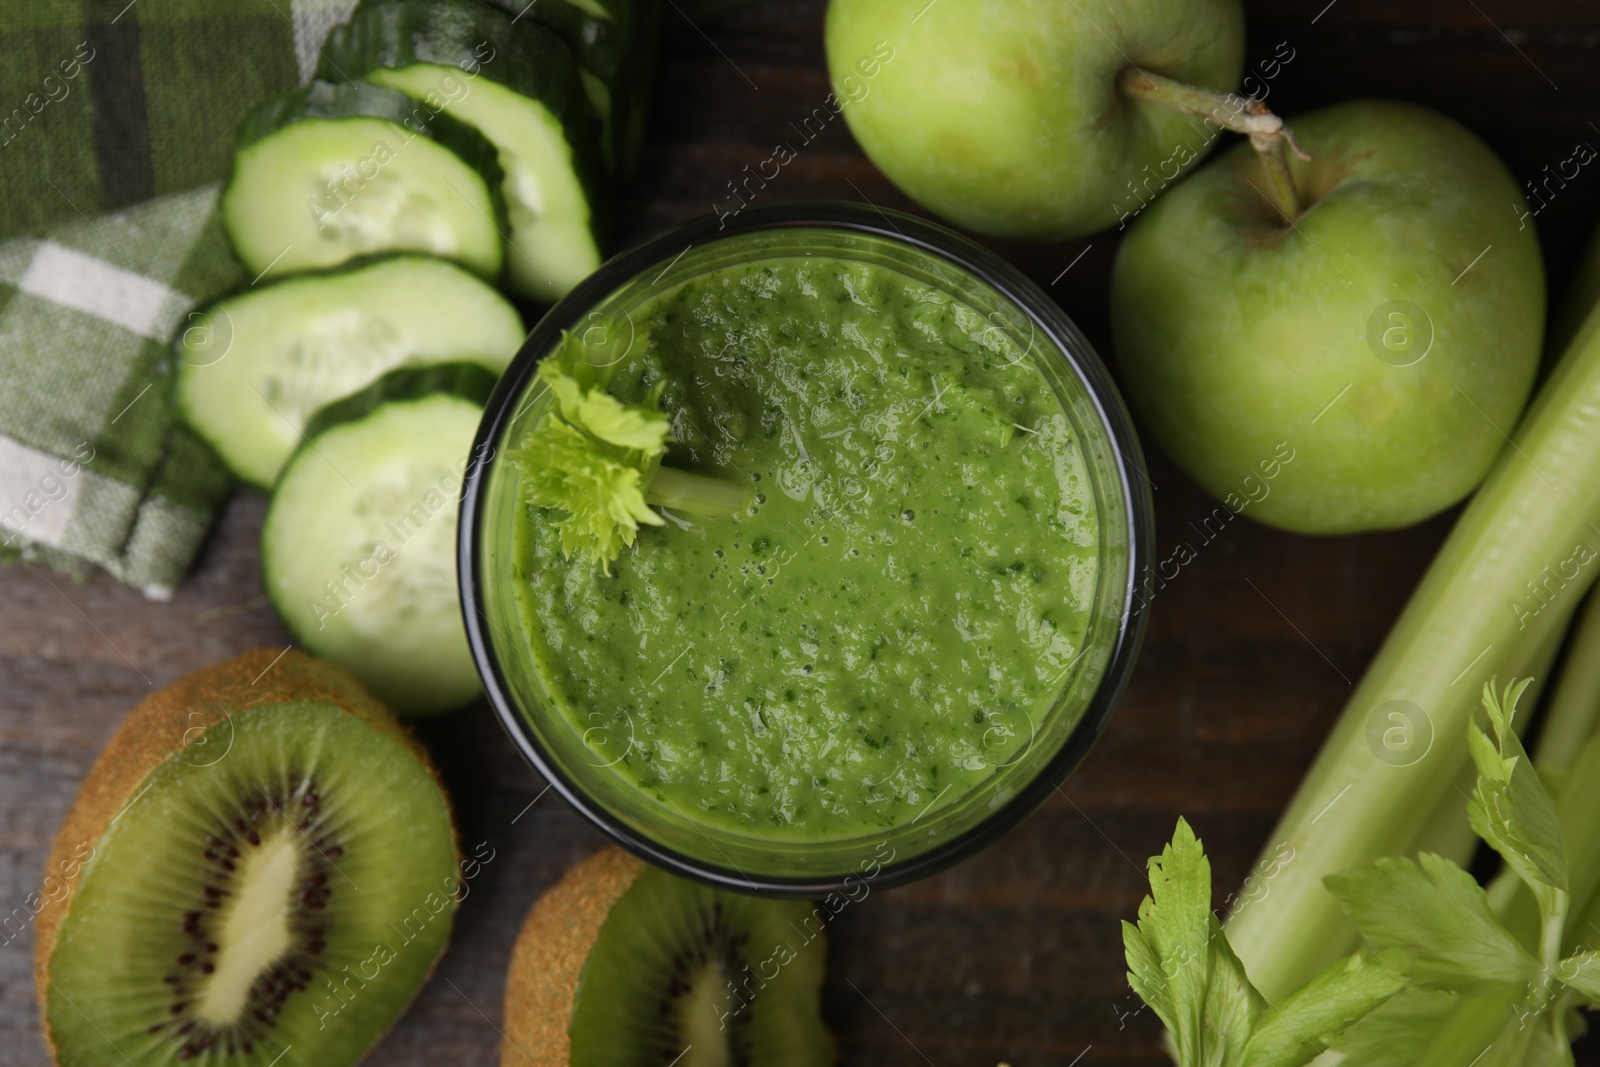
(116, 127)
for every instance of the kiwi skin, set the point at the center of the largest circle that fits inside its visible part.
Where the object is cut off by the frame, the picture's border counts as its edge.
(542, 984)
(161, 727)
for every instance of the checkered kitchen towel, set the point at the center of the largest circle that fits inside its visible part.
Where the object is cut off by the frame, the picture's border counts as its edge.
(117, 121)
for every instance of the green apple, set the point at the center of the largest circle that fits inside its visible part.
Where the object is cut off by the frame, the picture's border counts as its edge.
(1005, 116)
(1385, 339)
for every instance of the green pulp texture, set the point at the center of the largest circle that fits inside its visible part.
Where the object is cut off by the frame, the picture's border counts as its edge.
(887, 623)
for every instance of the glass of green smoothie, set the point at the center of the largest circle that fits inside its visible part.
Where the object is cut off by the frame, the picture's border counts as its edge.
(917, 614)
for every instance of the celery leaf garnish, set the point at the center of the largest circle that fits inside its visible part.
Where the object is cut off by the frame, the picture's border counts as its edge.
(598, 413)
(599, 460)
(600, 493)
(591, 456)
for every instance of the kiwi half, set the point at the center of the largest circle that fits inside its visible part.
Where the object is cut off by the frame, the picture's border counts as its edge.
(624, 965)
(262, 860)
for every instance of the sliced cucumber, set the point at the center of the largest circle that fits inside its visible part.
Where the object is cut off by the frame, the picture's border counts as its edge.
(358, 550)
(254, 367)
(519, 85)
(335, 171)
(615, 44)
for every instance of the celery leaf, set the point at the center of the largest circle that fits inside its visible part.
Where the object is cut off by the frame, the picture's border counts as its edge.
(1400, 1032)
(1303, 1024)
(1436, 910)
(602, 415)
(602, 496)
(1181, 964)
(1510, 808)
(1581, 972)
(592, 457)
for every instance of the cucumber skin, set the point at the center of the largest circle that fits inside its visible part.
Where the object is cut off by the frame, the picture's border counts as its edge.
(404, 385)
(351, 266)
(468, 381)
(528, 59)
(620, 51)
(330, 101)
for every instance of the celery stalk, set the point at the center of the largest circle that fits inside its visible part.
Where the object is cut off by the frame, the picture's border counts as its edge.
(1449, 833)
(709, 498)
(1474, 615)
(1575, 705)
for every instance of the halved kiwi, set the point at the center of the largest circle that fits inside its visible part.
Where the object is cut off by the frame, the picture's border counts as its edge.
(261, 860)
(623, 965)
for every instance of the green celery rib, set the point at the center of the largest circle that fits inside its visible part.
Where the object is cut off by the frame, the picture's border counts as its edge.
(710, 498)
(1448, 832)
(1457, 631)
(1575, 704)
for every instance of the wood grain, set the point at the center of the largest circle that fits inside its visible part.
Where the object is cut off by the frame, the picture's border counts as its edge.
(1014, 955)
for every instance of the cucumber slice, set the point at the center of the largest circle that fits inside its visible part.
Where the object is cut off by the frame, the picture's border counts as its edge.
(518, 84)
(254, 367)
(331, 172)
(615, 44)
(366, 576)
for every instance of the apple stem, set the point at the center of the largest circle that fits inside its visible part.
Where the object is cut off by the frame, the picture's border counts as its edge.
(1268, 134)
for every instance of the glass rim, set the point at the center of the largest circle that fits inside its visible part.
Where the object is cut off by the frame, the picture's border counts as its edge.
(931, 239)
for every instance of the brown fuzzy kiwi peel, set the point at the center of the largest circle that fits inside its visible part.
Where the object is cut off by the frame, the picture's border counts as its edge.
(547, 962)
(163, 725)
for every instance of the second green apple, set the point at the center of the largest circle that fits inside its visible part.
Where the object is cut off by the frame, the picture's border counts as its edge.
(1388, 332)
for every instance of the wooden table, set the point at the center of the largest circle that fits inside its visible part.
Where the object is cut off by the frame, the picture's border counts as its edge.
(1014, 955)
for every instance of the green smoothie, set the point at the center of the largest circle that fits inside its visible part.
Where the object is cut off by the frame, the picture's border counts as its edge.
(894, 614)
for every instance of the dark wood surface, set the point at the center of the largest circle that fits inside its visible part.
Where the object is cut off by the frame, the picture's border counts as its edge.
(1014, 955)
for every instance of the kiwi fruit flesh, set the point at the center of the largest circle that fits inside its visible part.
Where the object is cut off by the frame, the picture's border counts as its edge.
(262, 860)
(624, 965)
